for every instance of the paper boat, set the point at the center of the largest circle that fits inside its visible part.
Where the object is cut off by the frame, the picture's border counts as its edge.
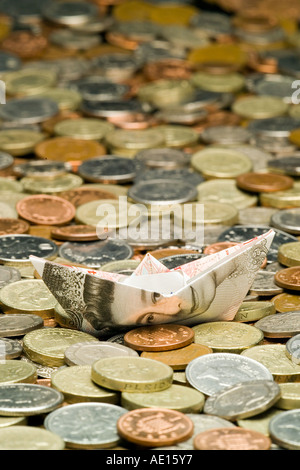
(211, 288)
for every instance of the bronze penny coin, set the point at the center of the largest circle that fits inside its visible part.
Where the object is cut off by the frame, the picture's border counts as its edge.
(9, 226)
(234, 438)
(75, 233)
(159, 337)
(286, 302)
(288, 278)
(82, 195)
(153, 427)
(219, 246)
(264, 182)
(43, 209)
(165, 252)
(179, 358)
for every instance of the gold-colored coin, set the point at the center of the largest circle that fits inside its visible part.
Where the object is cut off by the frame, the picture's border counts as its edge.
(28, 296)
(218, 162)
(132, 10)
(66, 99)
(289, 254)
(13, 371)
(84, 128)
(225, 191)
(286, 199)
(19, 142)
(115, 189)
(227, 336)
(178, 136)
(289, 397)
(128, 143)
(98, 214)
(286, 302)
(23, 437)
(176, 397)
(260, 422)
(178, 359)
(47, 185)
(27, 81)
(274, 358)
(6, 421)
(132, 374)
(164, 93)
(253, 311)
(260, 107)
(172, 14)
(77, 386)
(231, 54)
(294, 136)
(47, 346)
(225, 83)
(210, 213)
(9, 186)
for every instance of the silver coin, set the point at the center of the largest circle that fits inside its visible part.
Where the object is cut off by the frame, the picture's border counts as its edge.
(119, 338)
(212, 373)
(99, 89)
(174, 261)
(264, 284)
(9, 62)
(94, 254)
(22, 11)
(212, 23)
(163, 158)
(70, 13)
(80, 354)
(286, 165)
(29, 110)
(86, 425)
(8, 275)
(18, 248)
(44, 372)
(109, 168)
(243, 400)
(258, 215)
(287, 220)
(162, 192)
(293, 349)
(275, 85)
(115, 61)
(111, 108)
(274, 267)
(289, 64)
(6, 160)
(182, 175)
(69, 39)
(274, 127)
(157, 50)
(281, 325)
(41, 168)
(18, 324)
(10, 348)
(225, 135)
(28, 399)
(258, 156)
(284, 429)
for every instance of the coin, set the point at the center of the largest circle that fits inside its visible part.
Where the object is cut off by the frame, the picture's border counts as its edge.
(227, 337)
(284, 429)
(83, 128)
(288, 254)
(288, 278)
(28, 399)
(46, 210)
(264, 284)
(28, 296)
(45, 185)
(88, 352)
(94, 254)
(27, 81)
(10, 348)
(108, 169)
(176, 397)
(214, 372)
(243, 400)
(254, 311)
(21, 437)
(292, 348)
(274, 358)
(75, 233)
(41, 168)
(18, 248)
(287, 220)
(76, 385)
(259, 107)
(126, 267)
(167, 158)
(162, 192)
(19, 324)
(231, 439)
(140, 427)
(178, 359)
(225, 191)
(47, 345)
(173, 261)
(86, 425)
(105, 214)
(287, 165)
(286, 199)
(8, 275)
(131, 374)
(19, 142)
(286, 302)
(290, 396)
(12, 371)
(83, 194)
(29, 110)
(159, 337)
(12, 421)
(264, 182)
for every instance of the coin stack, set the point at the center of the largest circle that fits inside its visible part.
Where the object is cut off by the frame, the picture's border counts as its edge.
(157, 104)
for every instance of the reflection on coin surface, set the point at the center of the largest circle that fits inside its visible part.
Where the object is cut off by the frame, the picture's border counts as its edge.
(19, 324)
(231, 439)
(243, 400)
(29, 438)
(284, 429)
(281, 325)
(87, 353)
(28, 399)
(213, 372)
(86, 425)
(159, 337)
(140, 427)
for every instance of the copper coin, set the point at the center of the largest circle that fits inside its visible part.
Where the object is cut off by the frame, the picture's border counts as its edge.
(286, 302)
(82, 195)
(178, 359)
(159, 337)
(46, 210)
(25, 44)
(234, 438)
(75, 233)
(216, 247)
(165, 252)
(264, 182)
(11, 226)
(288, 278)
(153, 427)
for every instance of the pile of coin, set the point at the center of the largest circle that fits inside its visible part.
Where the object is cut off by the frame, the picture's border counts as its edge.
(157, 104)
